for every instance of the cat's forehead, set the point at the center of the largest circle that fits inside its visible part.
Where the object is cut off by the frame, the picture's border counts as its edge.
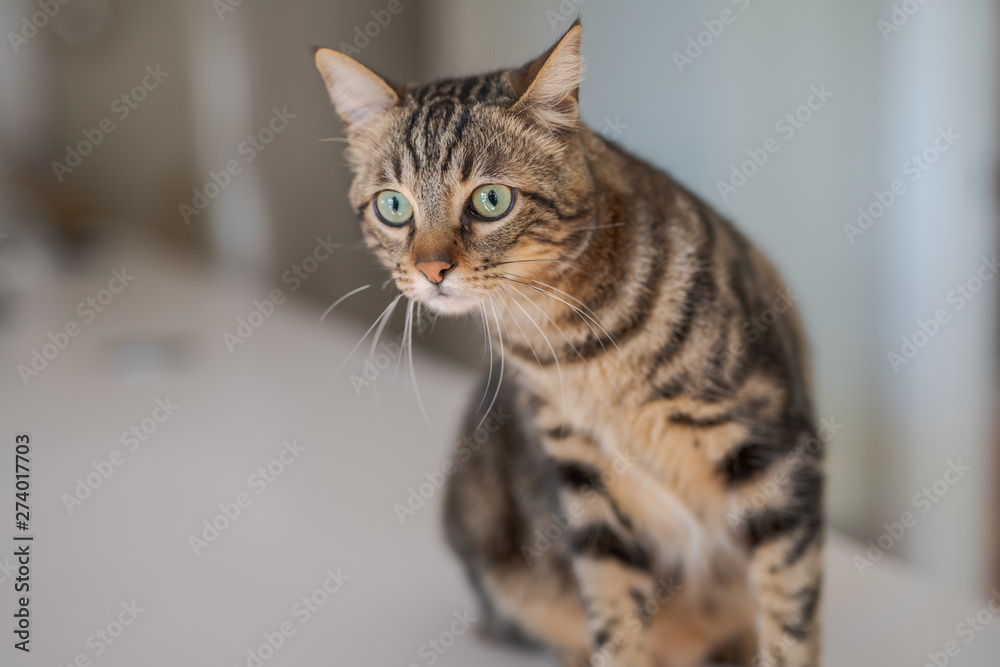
(437, 119)
(445, 131)
(490, 88)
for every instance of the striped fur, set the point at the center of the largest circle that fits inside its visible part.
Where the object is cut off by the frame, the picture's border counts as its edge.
(656, 496)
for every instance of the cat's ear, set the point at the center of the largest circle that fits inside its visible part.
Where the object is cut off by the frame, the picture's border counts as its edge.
(358, 94)
(549, 86)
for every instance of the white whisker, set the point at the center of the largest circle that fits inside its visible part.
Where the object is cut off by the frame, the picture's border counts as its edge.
(584, 306)
(363, 338)
(576, 310)
(500, 379)
(381, 328)
(413, 375)
(489, 336)
(585, 229)
(518, 325)
(335, 303)
(555, 357)
(352, 142)
(549, 320)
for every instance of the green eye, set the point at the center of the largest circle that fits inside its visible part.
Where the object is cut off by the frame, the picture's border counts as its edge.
(393, 208)
(491, 201)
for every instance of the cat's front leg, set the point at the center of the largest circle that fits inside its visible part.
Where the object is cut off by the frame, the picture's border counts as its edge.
(613, 589)
(787, 573)
(611, 565)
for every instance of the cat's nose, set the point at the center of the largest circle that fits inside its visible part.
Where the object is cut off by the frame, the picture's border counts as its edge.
(434, 269)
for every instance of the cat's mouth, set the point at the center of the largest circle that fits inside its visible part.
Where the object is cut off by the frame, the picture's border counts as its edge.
(452, 304)
(447, 299)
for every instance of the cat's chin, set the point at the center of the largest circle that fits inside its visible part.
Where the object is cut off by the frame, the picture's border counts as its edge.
(451, 304)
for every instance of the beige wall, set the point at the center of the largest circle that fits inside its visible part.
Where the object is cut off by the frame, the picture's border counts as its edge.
(63, 83)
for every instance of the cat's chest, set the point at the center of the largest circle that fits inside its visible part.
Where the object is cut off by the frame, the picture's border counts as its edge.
(660, 474)
(664, 457)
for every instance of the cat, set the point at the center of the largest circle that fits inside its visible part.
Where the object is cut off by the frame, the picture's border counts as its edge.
(651, 489)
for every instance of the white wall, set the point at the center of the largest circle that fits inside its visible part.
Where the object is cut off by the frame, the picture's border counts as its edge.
(938, 407)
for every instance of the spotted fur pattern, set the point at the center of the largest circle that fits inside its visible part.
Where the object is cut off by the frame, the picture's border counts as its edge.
(650, 490)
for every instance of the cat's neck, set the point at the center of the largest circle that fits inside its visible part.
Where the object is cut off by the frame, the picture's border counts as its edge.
(600, 290)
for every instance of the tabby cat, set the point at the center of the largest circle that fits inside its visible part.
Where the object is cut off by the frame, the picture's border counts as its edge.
(651, 490)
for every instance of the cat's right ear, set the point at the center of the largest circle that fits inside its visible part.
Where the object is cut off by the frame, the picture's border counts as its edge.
(358, 94)
(549, 86)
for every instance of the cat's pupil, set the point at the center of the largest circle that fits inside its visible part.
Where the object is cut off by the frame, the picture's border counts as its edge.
(492, 196)
(394, 204)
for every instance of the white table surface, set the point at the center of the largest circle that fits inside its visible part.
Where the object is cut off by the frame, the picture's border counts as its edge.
(332, 508)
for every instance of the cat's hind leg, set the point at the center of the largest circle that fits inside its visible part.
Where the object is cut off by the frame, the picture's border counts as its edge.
(497, 506)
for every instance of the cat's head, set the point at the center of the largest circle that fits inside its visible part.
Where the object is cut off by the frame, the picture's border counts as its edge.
(464, 186)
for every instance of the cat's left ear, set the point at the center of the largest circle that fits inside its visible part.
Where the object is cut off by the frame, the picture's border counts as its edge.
(358, 94)
(549, 86)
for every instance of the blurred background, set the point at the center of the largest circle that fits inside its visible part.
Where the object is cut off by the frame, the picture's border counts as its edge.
(183, 142)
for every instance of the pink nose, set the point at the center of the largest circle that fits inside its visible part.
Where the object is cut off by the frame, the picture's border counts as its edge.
(434, 270)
